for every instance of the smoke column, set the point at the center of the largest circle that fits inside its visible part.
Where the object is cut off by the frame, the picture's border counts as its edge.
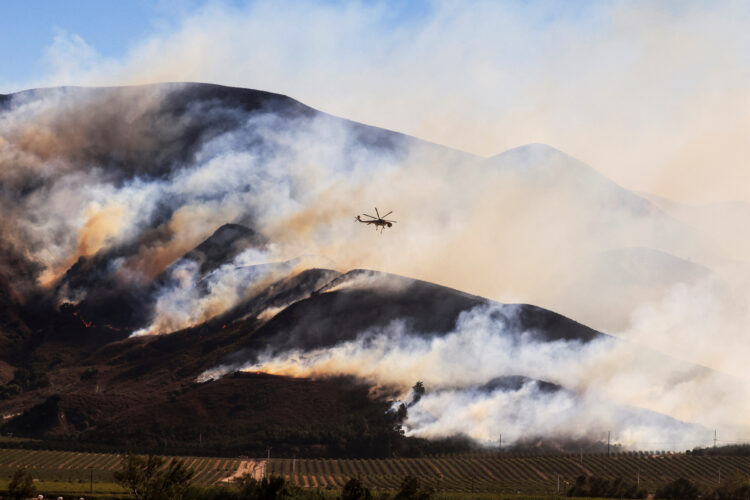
(603, 384)
(103, 191)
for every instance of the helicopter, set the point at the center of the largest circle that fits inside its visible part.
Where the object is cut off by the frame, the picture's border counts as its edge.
(379, 221)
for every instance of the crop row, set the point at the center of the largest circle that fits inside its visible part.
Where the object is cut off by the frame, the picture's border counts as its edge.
(490, 473)
(84, 467)
(498, 473)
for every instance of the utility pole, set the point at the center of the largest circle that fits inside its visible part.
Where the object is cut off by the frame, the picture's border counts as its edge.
(558, 484)
(714, 438)
(608, 433)
(581, 455)
(638, 477)
(500, 442)
(294, 463)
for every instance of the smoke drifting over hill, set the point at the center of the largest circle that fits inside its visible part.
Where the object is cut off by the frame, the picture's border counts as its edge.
(104, 191)
(487, 344)
(626, 85)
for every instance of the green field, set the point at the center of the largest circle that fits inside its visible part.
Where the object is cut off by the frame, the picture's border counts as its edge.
(63, 488)
(72, 472)
(479, 473)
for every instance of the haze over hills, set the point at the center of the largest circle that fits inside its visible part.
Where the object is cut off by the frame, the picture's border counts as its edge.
(164, 237)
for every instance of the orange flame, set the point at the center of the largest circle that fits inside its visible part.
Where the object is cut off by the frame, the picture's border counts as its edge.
(87, 324)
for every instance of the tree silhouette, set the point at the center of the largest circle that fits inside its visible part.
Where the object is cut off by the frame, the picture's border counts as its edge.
(417, 392)
(147, 478)
(22, 485)
(355, 490)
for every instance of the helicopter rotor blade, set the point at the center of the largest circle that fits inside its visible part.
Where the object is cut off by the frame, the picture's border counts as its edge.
(370, 216)
(386, 215)
(378, 213)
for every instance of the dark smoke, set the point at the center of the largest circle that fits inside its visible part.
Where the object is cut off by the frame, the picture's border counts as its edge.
(141, 142)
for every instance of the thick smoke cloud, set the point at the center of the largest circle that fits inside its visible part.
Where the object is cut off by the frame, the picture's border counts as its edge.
(654, 94)
(529, 226)
(609, 384)
(522, 415)
(103, 192)
(189, 298)
(144, 181)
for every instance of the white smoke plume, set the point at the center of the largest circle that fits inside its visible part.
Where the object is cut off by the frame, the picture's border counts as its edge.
(611, 384)
(653, 93)
(532, 225)
(520, 415)
(191, 298)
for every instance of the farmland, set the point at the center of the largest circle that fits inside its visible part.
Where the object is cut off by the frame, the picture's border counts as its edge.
(479, 473)
(78, 472)
(493, 473)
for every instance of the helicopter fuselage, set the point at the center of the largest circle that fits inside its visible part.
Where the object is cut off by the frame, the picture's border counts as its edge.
(377, 222)
(380, 221)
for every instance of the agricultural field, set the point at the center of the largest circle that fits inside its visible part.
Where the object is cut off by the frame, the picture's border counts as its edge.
(65, 471)
(477, 473)
(492, 473)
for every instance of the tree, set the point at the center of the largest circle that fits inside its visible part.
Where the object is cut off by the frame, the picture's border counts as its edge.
(22, 485)
(417, 392)
(268, 488)
(679, 489)
(411, 490)
(401, 413)
(355, 490)
(147, 478)
(735, 487)
(89, 374)
(600, 487)
(10, 390)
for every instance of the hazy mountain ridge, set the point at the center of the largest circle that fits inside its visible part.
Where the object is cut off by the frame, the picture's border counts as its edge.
(138, 220)
(113, 406)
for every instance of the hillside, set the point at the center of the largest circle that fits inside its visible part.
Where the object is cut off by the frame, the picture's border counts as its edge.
(181, 259)
(143, 389)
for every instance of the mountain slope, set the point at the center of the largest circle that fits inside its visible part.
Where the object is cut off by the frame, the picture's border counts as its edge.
(162, 166)
(149, 382)
(128, 210)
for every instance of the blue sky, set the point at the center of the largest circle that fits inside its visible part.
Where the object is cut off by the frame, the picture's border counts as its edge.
(111, 27)
(27, 28)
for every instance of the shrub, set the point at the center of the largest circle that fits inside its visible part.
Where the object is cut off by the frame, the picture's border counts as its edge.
(355, 490)
(89, 373)
(412, 490)
(679, 489)
(10, 390)
(146, 479)
(22, 485)
(603, 488)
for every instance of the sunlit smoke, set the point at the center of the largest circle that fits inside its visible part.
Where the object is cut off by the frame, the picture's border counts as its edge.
(125, 182)
(191, 298)
(653, 93)
(526, 413)
(484, 346)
